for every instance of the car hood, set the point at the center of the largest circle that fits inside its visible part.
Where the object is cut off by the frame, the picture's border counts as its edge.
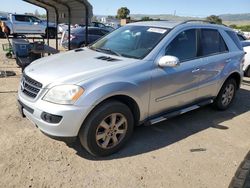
(74, 67)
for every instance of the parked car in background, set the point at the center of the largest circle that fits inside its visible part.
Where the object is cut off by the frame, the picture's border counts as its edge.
(2, 18)
(64, 27)
(142, 73)
(246, 46)
(27, 24)
(77, 36)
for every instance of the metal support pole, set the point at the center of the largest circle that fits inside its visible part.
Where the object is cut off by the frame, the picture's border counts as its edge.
(69, 20)
(86, 20)
(47, 13)
(69, 28)
(57, 18)
(86, 25)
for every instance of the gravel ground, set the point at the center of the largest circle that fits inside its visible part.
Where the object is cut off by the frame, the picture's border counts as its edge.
(202, 148)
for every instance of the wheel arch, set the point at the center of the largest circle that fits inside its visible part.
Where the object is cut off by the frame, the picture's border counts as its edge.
(237, 77)
(125, 99)
(130, 102)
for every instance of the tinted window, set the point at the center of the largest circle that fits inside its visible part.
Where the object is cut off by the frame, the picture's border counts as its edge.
(95, 32)
(212, 42)
(104, 32)
(21, 18)
(184, 46)
(100, 32)
(235, 38)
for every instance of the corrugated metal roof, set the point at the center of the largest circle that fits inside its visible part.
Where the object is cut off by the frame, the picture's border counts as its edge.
(77, 9)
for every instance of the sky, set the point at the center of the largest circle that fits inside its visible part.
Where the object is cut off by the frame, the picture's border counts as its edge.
(200, 8)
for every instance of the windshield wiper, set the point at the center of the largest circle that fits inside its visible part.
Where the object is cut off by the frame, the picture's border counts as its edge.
(108, 50)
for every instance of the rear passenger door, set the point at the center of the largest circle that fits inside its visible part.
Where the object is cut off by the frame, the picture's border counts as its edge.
(214, 51)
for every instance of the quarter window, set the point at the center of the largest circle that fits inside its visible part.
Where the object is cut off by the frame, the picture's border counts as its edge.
(233, 35)
(212, 43)
(184, 46)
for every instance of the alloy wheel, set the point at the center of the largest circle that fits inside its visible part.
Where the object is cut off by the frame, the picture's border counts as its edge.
(111, 131)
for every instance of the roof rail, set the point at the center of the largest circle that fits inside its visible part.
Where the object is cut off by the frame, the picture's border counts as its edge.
(205, 21)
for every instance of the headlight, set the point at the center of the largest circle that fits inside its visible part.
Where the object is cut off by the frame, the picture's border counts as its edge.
(64, 94)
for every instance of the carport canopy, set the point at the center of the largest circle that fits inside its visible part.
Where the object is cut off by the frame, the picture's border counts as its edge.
(66, 11)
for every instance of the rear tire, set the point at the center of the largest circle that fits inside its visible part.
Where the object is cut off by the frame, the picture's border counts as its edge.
(107, 128)
(226, 95)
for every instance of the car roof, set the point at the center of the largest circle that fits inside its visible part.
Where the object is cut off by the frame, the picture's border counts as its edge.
(165, 24)
(172, 24)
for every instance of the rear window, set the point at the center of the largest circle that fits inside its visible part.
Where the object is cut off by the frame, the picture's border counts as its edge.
(212, 42)
(233, 35)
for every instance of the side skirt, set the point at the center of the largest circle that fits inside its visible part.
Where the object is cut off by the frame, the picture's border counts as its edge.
(171, 114)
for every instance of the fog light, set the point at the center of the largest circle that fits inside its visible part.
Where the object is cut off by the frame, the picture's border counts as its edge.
(50, 118)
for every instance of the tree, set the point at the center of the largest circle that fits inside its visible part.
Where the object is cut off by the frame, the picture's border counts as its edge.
(146, 18)
(123, 13)
(234, 26)
(215, 19)
(37, 13)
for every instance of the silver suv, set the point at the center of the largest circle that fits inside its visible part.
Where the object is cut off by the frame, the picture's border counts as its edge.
(142, 73)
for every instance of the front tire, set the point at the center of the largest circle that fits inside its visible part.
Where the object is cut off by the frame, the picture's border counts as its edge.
(107, 129)
(226, 95)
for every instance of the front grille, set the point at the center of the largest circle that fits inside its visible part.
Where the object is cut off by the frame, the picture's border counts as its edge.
(30, 87)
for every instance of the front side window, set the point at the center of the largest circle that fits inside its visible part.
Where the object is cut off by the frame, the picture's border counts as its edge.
(131, 41)
(184, 46)
(212, 42)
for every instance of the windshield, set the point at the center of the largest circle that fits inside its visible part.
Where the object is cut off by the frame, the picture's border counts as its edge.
(131, 41)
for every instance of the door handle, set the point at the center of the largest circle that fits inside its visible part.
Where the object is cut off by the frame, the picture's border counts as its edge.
(228, 60)
(195, 70)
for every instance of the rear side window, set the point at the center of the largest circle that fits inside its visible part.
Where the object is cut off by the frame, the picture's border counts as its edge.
(184, 46)
(211, 43)
(95, 32)
(104, 32)
(241, 37)
(21, 18)
(233, 35)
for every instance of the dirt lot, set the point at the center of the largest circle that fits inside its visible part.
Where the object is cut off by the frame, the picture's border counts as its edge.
(157, 156)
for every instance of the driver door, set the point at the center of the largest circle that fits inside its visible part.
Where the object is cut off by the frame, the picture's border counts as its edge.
(174, 87)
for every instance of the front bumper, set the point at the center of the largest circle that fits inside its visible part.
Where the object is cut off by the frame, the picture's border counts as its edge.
(69, 125)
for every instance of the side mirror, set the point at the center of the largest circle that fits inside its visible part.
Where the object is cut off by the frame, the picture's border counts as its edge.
(168, 61)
